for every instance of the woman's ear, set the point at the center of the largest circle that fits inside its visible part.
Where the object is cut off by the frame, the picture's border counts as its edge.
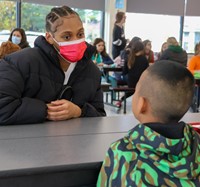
(49, 38)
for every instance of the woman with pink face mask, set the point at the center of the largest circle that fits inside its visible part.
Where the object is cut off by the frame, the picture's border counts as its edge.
(50, 81)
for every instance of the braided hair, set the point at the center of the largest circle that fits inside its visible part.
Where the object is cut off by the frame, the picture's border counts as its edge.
(53, 19)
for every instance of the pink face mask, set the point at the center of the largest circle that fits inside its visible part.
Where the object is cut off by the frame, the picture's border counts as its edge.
(72, 51)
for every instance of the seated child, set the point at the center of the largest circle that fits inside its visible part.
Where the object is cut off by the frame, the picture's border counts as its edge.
(148, 51)
(161, 150)
(100, 56)
(194, 62)
(7, 48)
(164, 46)
(119, 78)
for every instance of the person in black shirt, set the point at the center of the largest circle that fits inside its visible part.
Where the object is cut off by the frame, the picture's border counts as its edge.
(119, 41)
(56, 80)
(134, 65)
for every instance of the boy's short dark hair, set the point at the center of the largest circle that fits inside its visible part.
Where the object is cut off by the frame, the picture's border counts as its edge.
(169, 88)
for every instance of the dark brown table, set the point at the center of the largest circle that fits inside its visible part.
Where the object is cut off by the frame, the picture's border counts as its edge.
(107, 69)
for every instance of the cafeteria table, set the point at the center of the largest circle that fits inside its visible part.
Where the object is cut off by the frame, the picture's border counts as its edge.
(65, 153)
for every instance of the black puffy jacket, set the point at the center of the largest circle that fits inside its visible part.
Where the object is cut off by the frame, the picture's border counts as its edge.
(32, 77)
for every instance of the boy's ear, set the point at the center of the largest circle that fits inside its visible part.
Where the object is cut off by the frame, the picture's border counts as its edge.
(49, 38)
(142, 105)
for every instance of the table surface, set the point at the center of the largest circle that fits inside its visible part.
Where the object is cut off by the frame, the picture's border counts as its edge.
(79, 126)
(54, 144)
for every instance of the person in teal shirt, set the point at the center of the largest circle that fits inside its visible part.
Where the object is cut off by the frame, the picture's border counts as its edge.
(100, 56)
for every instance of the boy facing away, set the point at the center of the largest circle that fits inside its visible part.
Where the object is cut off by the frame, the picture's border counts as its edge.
(160, 151)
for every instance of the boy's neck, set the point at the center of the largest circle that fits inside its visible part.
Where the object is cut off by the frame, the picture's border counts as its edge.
(175, 132)
(148, 118)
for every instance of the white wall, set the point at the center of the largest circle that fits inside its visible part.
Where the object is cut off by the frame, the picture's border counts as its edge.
(164, 7)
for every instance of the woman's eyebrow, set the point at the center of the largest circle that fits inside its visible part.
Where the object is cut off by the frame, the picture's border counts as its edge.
(80, 30)
(68, 32)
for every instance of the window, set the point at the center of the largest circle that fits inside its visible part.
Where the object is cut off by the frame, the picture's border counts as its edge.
(33, 20)
(156, 28)
(191, 32)
(92, 23)
(8, 19)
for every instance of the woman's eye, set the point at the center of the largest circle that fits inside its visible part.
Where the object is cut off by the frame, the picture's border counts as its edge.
(81, 35)
(66, 37)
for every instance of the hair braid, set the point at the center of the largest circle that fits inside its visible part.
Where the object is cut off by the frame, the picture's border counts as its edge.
(54, 16)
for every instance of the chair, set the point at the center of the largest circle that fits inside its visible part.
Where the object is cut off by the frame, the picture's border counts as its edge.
(125, 90)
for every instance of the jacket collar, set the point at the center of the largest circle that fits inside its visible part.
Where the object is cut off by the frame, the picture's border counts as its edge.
(47, 48)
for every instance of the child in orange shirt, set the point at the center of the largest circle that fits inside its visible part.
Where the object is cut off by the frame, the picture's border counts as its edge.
(194, 63)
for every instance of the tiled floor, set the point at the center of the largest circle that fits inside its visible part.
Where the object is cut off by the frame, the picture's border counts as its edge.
(113, 111)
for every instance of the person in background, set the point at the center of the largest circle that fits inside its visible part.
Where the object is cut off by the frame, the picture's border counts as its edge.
(194, 67)
(148, 52)
(194, 63)
(124, 53)
(118, 78)
(134, 65)
(163, 48)
(133, 40)
(174, 52)
(55, 80)
(18, 36)
(7, 48)
(100, 56)
(119, 41)
(161, 150)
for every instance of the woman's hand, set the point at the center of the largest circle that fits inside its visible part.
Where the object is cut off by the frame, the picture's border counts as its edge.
(62, 109)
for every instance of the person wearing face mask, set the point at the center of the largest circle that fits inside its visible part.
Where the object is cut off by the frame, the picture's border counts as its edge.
(18, 37)
(56, 79)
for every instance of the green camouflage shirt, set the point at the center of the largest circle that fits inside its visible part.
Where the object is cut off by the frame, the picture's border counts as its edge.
(145, 158)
